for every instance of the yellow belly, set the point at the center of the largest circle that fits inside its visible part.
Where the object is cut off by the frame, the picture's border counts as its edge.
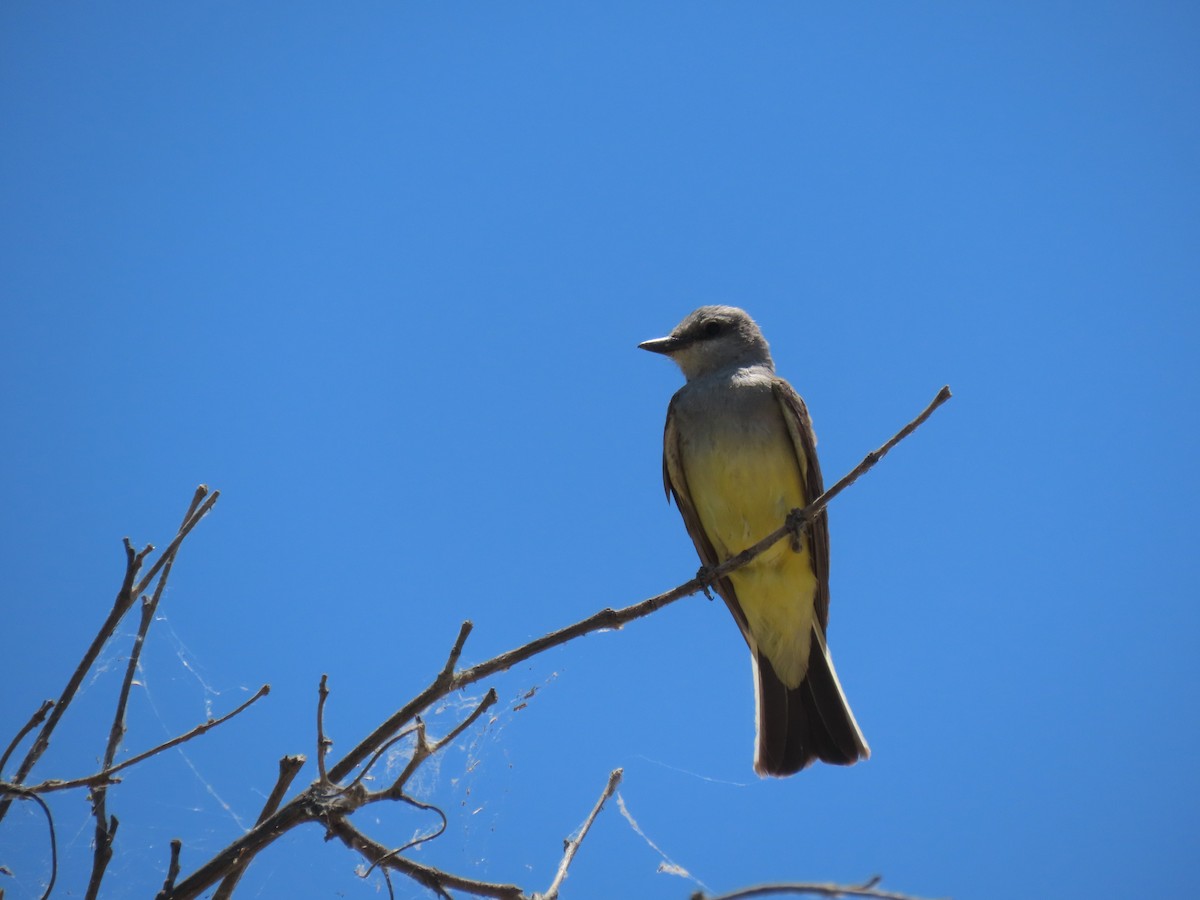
(741, 495)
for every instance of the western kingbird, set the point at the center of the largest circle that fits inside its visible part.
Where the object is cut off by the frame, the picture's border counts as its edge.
(739, 454)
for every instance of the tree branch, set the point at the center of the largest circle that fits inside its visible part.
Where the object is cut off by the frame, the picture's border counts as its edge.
(121, 605)
(434, 879)
(616, 618)
(34, 721)
(289, 768)
(106, 776)
(571, 846)
(814, 889)
(331, 804)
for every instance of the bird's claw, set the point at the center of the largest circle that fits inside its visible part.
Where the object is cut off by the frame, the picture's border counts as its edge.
(796, 524)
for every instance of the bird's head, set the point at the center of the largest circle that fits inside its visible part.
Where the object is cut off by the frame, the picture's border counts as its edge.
(711, 339)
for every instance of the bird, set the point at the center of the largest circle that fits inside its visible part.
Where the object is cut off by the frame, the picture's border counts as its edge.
(739, 454)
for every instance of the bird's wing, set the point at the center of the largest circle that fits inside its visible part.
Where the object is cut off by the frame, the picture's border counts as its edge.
(677, 487)
(799, 426)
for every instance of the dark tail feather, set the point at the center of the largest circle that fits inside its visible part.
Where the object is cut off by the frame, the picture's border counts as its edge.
(812, 721)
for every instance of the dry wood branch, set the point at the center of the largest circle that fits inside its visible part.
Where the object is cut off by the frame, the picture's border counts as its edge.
(319, 803)
(104, 838)
(434, 879)
(423, 749)
(616, 618)
(330, 801)
(124, 600)
(106, 776)
(323, 743)
(289, 768)
(34, 721)
(21, 794)
(571, 846)
(239, 853)
(121, 605)
(173, 867)
(812, 889)
(439, 687)
(196, 512)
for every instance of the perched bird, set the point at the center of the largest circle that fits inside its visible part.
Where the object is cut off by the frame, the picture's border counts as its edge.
(739, 454)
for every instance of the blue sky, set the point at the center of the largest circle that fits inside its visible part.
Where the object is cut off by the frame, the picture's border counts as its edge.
(378, 274)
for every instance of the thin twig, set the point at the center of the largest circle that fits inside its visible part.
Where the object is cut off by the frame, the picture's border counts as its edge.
(387, 745)
(616, 618)
(323, 743)
(173, 868)
(423, 749)
(34, 721)
(191, 521)
(122, 604)
(439, 687)
(434, 879)
(296, 812)
(814, 889)
(27, 795)
(571, 846)
(289, 767)
(105, 834)
(106, 776)
(415, 842)
(103, 839)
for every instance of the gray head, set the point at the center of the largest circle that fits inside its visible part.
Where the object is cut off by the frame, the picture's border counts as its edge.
(711, 339)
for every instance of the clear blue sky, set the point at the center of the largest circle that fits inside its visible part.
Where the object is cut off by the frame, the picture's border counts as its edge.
(378, 274)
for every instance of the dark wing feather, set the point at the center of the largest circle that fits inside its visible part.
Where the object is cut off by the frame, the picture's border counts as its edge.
(799, 426)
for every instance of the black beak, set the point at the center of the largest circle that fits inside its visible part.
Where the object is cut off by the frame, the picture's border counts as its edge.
(666, 345)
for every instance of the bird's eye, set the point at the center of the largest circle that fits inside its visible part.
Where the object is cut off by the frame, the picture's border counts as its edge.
(713, 328)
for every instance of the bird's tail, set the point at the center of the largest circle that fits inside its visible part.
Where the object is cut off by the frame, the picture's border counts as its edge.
(812, 721)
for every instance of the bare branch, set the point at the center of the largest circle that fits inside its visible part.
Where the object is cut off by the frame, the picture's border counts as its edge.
(34, 721)
(798, 518)
(22, 794)
(423, 749)
(245, 848)
(456, 651)
(434, 879)
(105, 834)
(103, 839)
(439, 687)
(813, 889)
(571, 846)
(121, 605)
(289, 767)
(106, 776)
(173, 867)
(190, 521)
(387, 745)
(415, 842)
(323, 743)
(325, 801)
(616, 618)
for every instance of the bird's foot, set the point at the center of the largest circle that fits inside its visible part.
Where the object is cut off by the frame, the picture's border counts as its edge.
(796, 523)
(704, 576)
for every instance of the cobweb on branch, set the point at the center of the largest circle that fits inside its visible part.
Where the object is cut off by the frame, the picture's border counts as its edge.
(190, 665)
(667, 866)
